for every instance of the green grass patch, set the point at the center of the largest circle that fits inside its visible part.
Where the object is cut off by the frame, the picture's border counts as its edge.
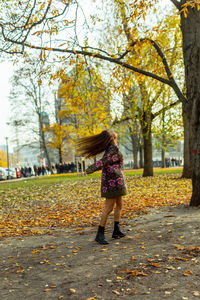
(155, 171)
(54, 179)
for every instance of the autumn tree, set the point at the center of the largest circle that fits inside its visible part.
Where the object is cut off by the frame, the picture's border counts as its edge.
(28, 99)
(58, 132)
(3, 158)
(86, 106)
(17, 36)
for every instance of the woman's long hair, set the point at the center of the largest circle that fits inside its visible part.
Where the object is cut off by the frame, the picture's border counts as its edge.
(90, 146)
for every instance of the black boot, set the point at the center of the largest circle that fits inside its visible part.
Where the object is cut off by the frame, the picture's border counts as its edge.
(100, 238)
(116, 232)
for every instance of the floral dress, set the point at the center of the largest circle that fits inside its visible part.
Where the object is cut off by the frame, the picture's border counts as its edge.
(112, 180)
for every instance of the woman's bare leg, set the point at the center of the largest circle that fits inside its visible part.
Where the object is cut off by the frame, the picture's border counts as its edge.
(118, 209)
(109, 205)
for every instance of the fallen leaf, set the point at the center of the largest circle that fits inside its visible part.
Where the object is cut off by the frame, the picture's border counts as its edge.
(179, 247)
(35, 251)
(116, 292)
(181, 258)
(134, 272)
(188, 272)
(156, 265)
(20, 271)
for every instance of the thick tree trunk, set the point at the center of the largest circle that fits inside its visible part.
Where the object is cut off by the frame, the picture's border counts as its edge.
(187, 166)
(147, 140)
(148, 162)
(135, 147)
(141, 157)
(190, 27)
(135, 159)
(195, 129)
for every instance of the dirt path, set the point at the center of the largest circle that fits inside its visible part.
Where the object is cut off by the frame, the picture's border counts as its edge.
(159, 258)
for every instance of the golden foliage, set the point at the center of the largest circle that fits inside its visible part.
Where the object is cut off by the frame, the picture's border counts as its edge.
(86, 101)
(3, 159)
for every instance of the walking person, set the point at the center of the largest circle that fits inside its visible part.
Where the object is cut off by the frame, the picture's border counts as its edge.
(113, 185)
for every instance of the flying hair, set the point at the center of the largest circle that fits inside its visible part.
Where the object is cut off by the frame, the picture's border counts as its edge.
(90, 146)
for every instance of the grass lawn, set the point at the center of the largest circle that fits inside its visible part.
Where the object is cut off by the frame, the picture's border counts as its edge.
(51, 179)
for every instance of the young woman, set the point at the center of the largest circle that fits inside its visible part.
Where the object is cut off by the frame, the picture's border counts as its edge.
(113, 185)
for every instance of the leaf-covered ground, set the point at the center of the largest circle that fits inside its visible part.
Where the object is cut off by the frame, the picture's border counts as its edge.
(36, 208)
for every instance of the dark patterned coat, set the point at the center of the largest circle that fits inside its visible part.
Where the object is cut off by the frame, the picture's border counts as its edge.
(112, 179)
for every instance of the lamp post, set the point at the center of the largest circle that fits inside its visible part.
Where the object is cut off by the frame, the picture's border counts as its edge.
(8, 165)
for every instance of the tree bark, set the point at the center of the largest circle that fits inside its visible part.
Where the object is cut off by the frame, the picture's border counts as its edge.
(135, 143)
(195, 136)
(187, 152)
(141, 157)
(147, 140)
(44, 146)
(60, 155)
(163, 158)
(190, 28)
(135, 159)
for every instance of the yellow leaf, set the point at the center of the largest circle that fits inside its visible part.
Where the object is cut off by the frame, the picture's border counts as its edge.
(179, 247)
(42, 6)
(116, 292)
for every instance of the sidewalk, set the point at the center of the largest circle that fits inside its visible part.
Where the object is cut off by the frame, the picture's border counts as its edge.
(158, 259)
(19, 179)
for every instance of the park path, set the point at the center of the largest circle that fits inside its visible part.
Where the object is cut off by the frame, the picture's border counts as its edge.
(158, 259)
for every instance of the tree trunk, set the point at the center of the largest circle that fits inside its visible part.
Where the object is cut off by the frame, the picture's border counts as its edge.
(147, 140)
(187, 166)
(141, 157)
(163, 158)
(135, 159)
(148, 162)
(135, 143)
(46, 151)
(60, 155)
(190, 27)
(195, 129)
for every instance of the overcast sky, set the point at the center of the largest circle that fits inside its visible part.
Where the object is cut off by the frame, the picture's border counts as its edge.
(6, 71)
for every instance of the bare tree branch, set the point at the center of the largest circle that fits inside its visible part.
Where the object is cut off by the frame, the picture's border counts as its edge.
(165, 109)
(176, 3)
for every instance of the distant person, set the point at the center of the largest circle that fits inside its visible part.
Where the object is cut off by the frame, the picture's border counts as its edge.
(29, 171)
(113, 185)
(39, 171)
(35, 168)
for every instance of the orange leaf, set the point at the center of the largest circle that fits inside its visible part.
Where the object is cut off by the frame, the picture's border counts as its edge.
(188, 272)
(156, 265)
(134, 272)
(20, 271)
